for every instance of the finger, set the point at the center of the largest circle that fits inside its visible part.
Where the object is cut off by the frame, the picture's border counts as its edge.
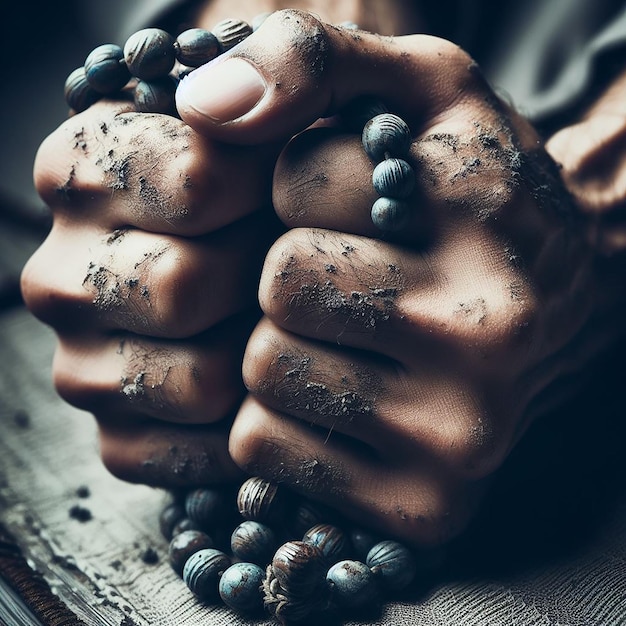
(196, 381)
(342, 289)
(137, 281)
(295, 69)
(455, 305)
(339, 390)
(323, 179)
(432, 411)
(408, 499)
(166, 455)
(120, 168)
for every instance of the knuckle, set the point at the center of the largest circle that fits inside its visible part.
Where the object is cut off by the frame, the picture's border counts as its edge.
(250, 443)
(258, 361)
(167, 288)
(51, 296)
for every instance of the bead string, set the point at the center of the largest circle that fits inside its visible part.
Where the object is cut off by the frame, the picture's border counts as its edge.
(152, 63)
(265, 567)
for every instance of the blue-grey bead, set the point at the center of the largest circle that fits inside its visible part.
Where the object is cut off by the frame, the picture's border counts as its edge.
(184, 544)
(196, 46)
(394, 563)
(240, 587)
(106, 69)
(394, 178)
(253, 542)
(230, 32)
(156, 96)
(332, 542)
(150, 53)
(390, 214)
(209, 507)
(203, 570)
(79, 94)
(386, 135)
(352, 585)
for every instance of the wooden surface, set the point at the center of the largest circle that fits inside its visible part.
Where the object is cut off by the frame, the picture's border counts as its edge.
(550, 549)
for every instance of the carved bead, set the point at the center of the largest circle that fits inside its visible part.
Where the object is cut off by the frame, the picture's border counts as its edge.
(196, 46)
(156, 96)
(254, 542)
(240, 587)
(106, 69)
(394, 563)
(183, 545)
(150, 53)
(203, 570)
(386, 135)
(298, 568)
(352, 585)
(390, 214)
(260, 500)
(331, 541)
(393, 178)
(230, 32)
(79, 94)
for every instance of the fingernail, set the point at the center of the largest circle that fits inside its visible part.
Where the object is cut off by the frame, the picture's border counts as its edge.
(222, 91)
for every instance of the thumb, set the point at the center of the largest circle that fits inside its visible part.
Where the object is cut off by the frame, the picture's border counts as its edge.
(295, 70)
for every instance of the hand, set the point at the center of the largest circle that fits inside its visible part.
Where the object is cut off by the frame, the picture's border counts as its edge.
(149, 277)
(390, 377)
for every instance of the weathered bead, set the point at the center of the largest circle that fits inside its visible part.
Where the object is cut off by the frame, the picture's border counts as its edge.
(156, 96)
(352, 585)
(386, 135)
(170, 516)
(209, 507)
(298, 568)
(203, 570)
(254, 542)
(331, 541)
(285, 608)
(394, 563)
(390, 214)
(393, 178)
(240, 587)
(106, 69)
(196, 46)
(260, 500)
(150, 53)
(183, 545)
(230, 32)
(79, 94)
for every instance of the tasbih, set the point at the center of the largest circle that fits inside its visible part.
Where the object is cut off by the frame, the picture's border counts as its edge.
(285, 556)
(153, 62)
(294, 565)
